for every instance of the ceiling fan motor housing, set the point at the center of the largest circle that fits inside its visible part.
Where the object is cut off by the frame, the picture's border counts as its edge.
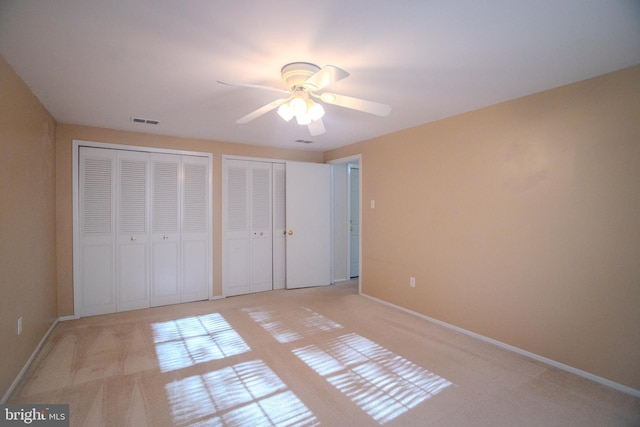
(296, 73)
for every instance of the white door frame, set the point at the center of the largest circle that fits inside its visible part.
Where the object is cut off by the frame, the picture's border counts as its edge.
(341, 161)
(77, 290)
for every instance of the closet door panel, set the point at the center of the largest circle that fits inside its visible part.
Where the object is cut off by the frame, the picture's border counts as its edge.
(196, 251)
(165, 236)
(261, 254)
(132, 237)
(279, 226)
(236, 204)
(195, 275)
(98, 296)
(97, 271)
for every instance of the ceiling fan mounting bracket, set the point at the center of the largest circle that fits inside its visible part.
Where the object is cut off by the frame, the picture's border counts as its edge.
(296, 73)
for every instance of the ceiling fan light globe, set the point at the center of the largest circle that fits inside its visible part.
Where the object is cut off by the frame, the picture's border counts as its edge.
(285, 112)
(298, 106)
(303, 119)
(315, 111)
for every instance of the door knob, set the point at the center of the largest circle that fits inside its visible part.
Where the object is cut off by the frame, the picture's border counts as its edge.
(290, 232)
(133, 238)
(165, 237)
(261, 233)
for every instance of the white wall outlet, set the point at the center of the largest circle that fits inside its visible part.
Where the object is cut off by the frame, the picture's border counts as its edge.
(373, 204)
(19, 325)
(412, 282)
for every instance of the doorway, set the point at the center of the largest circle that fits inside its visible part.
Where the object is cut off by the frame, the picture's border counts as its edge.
(346, 219)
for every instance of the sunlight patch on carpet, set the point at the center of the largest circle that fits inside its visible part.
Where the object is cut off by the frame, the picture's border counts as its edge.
(192, 340)
(248, 393)
(380, 382)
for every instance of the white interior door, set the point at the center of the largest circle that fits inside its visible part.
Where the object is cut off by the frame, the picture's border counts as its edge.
(279, 226)
(261, 259)
(165, 236)
(195, 230)
(96, 229)
(308, 216)
(132, 288)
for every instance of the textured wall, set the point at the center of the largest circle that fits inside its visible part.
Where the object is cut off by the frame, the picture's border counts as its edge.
(520, 222)
(27, 223)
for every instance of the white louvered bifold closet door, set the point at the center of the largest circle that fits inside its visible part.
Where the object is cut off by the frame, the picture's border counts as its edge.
(144, 229)
(195, 230)
(132, 283)
(236, 205)
(279, 226)
(248, 245)
(165, 227)
(261, 236)
(96, 219)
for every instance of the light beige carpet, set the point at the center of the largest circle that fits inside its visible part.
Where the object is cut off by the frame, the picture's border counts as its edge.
(321, 356)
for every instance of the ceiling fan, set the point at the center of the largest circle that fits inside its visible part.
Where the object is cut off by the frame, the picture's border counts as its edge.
(304, 81)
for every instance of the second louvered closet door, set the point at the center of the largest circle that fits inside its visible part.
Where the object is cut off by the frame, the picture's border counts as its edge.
(248, 257)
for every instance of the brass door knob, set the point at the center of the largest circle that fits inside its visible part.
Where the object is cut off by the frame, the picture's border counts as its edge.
(133, 238)
(290, 232)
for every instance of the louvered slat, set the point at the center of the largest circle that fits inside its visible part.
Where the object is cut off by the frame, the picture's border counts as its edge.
(97, 196)
(133, 207)
(165, 197)
(237, 198)
(279, 220)
(195, 198)
(261, 198)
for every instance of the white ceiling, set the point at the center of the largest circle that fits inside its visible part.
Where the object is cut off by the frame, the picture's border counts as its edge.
(100, 62)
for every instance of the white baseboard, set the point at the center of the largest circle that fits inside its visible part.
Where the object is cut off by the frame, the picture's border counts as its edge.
(617, 386)
(15, 382)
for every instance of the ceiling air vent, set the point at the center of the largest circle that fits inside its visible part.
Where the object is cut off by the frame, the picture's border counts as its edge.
(145, 121)
(304, 141)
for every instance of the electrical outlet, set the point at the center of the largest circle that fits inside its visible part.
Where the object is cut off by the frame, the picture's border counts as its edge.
(19, 325)
(412, 282)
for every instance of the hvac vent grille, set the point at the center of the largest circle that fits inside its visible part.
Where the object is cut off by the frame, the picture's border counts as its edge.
(144, 121)
(304, 141)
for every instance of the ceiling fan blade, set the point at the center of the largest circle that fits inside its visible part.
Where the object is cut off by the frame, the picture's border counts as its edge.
(327, 75)
(356, 104)
(262, 110)
(316, 127)
(275, 89)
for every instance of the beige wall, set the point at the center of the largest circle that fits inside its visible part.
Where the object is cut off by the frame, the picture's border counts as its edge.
(520, 222)
(27, 223)
(64, 142)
